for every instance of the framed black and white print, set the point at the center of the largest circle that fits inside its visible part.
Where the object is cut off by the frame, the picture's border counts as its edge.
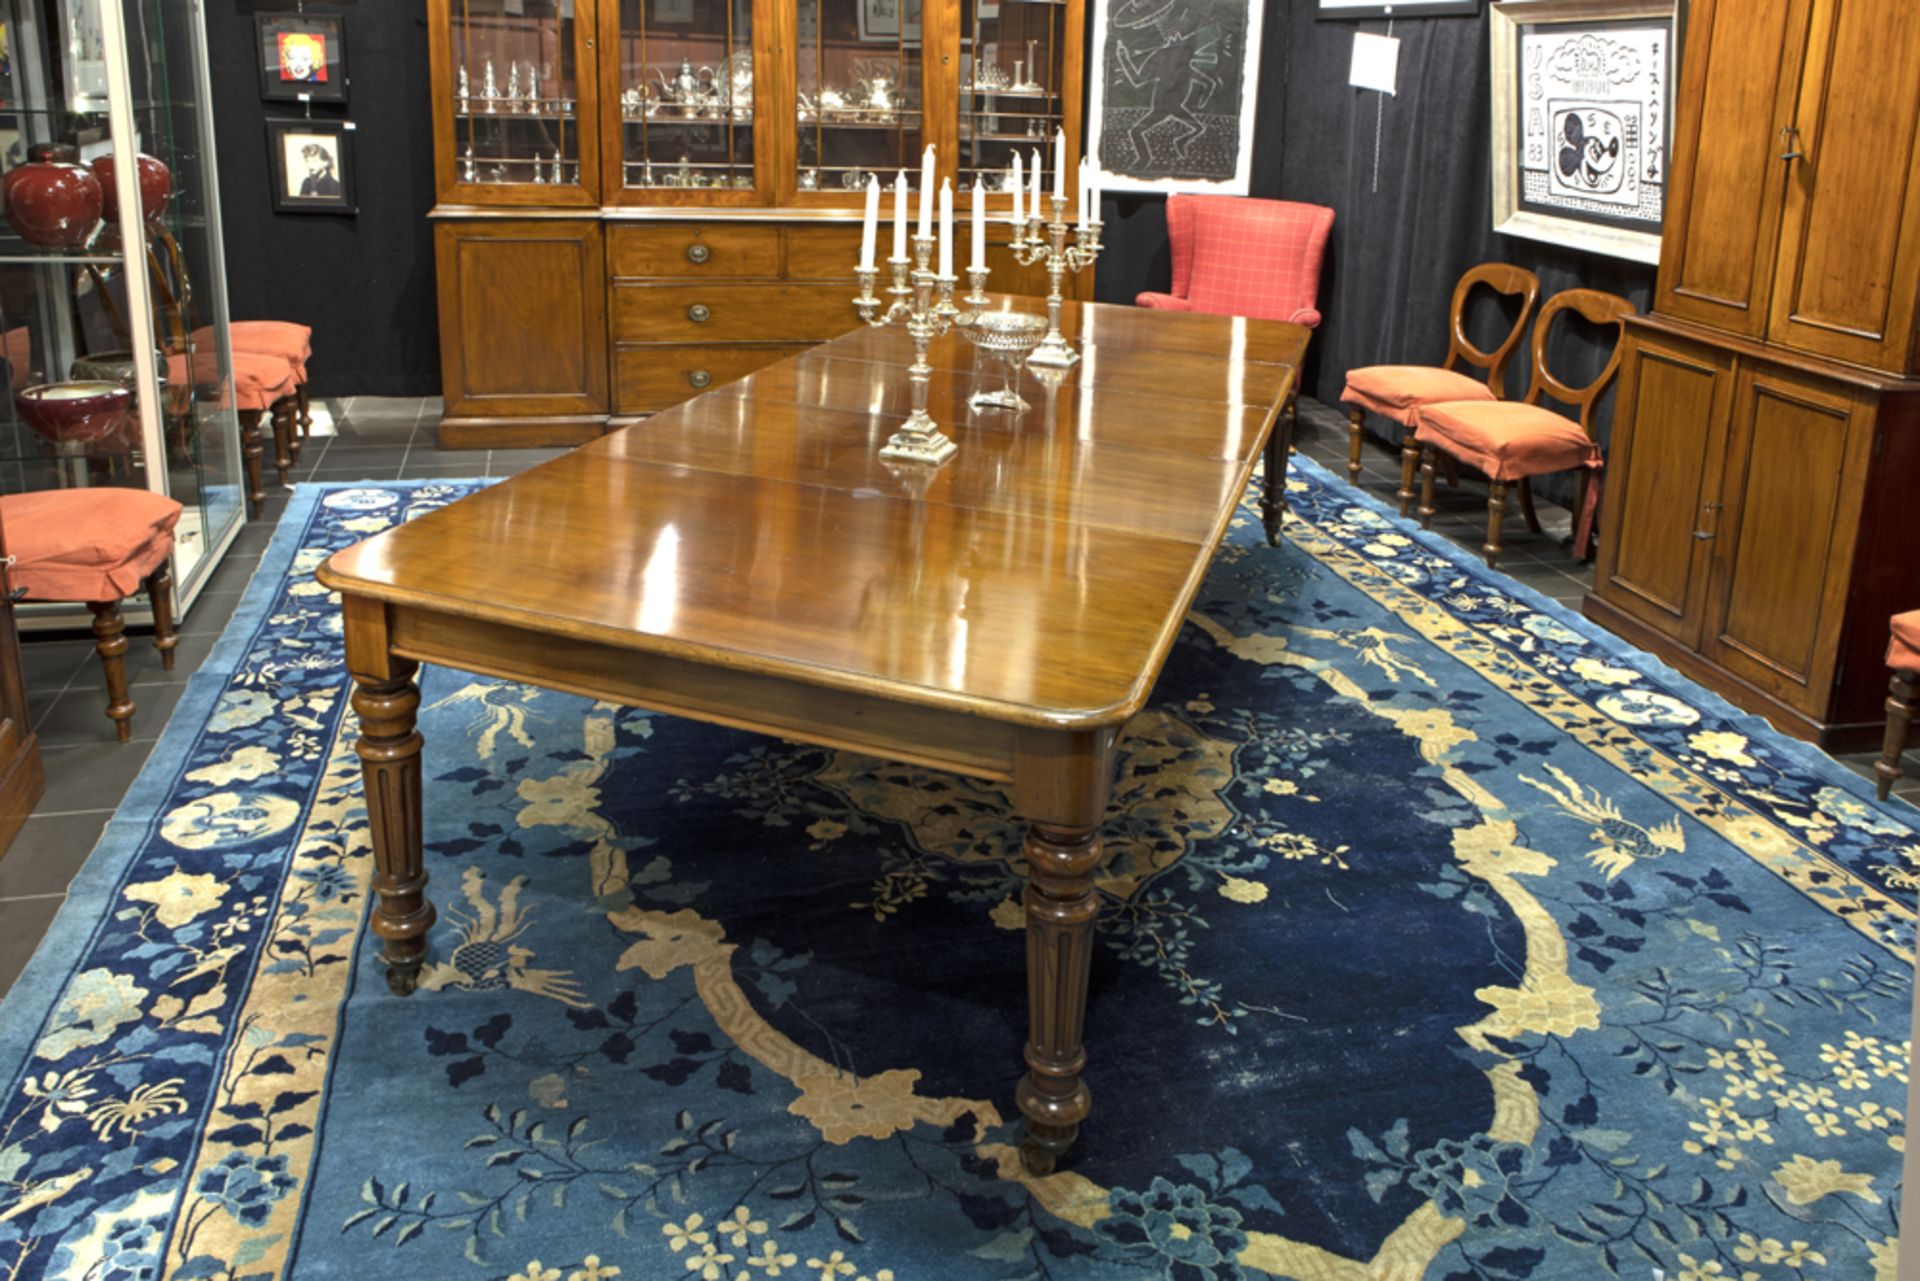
(1354, 9)
(1583, 121)
(302, 56)
(312, 165)
(1171, 100)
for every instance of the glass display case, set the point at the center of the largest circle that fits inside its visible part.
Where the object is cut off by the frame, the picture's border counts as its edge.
(685, 74)
(860, 104)
(104, 126)
(519, 99)
(1013, 74)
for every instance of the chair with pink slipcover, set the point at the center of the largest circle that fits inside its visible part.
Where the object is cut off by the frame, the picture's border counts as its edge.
(260, 385)
(1903, 697)
(98, 546)
(1396, 392)
(1517, 440)
(1241, 256)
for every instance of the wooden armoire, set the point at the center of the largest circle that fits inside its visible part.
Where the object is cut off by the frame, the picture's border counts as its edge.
(1762, 513)
(642, 199)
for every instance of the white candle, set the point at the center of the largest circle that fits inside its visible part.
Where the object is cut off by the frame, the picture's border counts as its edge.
(869, 225)
(1019, 199)
(946, 229)
(926, 192)
(979, 262)
(1080, 192)
(900, 217)
(1060, 163)
(1033, 187)
(1093, 188)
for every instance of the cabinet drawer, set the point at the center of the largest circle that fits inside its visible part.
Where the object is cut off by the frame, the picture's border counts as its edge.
(829, 252)
(694, 249)
(652, 378)
(731, 313)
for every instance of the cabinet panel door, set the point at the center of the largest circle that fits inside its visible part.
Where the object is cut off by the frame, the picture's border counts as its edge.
(1723, 217)
(523, 330)
(1849, 265)
(1796, 462)
(1668, 440)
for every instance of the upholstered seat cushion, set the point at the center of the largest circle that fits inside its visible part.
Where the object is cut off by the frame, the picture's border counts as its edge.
(1504, 439)
(1396, 391)
(283, 338)
(1904, 652)
(87, 544)
(258, 380)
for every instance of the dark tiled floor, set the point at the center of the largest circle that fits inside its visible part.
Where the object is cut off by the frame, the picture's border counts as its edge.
(377, 438)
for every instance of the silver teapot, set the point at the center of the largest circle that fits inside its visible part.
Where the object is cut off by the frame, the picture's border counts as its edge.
(690, 86)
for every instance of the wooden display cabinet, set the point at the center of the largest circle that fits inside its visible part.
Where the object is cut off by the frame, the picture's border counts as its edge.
(1758, 527)
(642, 199)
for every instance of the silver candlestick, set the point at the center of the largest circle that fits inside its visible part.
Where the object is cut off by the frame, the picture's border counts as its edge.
(923, 301)
(1059, 257)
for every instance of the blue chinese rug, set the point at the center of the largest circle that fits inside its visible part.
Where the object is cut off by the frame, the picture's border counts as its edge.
(1444, 937)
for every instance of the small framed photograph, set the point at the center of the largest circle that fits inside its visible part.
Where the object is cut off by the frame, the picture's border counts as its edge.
(890, 21)
(303, 56)
(312, 164)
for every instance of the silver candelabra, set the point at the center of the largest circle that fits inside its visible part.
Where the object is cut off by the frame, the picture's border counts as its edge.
(1060, 258)
(922, 299)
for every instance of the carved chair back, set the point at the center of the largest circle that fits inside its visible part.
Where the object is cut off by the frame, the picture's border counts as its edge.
(1598, 308)
(1503, 278)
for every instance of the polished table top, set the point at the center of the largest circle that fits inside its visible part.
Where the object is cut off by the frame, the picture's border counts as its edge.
(1037, 577)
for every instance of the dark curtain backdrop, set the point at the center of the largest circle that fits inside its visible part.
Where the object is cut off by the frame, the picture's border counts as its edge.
(365, 283)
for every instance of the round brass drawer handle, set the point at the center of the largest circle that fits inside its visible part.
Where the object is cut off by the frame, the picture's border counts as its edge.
(699, 378)
(697, 254)
(699, 313)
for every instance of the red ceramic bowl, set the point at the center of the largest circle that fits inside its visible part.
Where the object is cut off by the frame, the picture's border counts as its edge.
(156, 187)
(75, 411)
(52, 204)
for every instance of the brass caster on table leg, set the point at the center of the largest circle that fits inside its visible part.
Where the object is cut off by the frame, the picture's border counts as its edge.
(1043, 1147)
(403, 976)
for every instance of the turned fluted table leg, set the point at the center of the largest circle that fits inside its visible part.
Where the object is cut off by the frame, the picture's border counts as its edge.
(1062, 787)
(389, 750)
(1273, 498)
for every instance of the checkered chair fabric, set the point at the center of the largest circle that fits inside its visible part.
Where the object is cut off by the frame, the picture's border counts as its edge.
(1237, 256)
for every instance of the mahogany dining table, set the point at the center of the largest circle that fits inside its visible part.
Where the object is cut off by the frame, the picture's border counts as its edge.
(747, 559)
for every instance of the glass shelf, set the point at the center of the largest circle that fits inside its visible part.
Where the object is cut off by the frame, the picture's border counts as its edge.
(1023, 43)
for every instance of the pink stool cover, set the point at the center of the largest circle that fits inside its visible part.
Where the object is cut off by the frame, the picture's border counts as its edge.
(87, 544)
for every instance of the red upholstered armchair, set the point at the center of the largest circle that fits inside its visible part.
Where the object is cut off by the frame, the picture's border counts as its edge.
(1237, 256)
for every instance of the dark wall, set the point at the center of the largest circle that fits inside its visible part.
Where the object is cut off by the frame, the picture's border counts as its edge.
(365, 283)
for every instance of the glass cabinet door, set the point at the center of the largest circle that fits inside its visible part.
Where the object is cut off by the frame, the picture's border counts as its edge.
(187, 290)
(1013, 90)
(860, 92)
(685, 80)
(522, 99)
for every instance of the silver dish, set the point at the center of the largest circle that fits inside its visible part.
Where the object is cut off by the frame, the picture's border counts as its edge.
(1005, 338)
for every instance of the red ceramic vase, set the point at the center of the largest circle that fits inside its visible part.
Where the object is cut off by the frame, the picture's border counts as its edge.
(51, 204)
(79, 411)
(156, 187)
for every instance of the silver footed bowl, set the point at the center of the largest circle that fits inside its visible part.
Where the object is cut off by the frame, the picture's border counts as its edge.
(1006, 333)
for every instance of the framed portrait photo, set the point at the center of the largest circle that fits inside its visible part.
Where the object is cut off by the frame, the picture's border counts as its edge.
(312, 165)
(303, 56)
(1583, 121)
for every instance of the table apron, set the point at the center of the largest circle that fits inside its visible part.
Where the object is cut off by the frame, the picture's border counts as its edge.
(966, 744)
